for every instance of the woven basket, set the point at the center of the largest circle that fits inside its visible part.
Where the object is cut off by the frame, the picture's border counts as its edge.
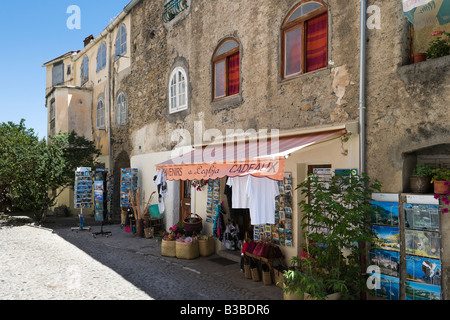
(255, 274)
(247, 271)
(187, 250)
(168, 248)
(267, 278)
(149, 232)
(206, 247)
(193, 226)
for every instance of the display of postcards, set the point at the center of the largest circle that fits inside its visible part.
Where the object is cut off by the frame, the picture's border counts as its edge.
(288, 243)
(389, 287)
(99, 205)
(98, 185)
(425, 270)
(423, 243)
(387, 261)
(387, 213)
(98, 215)
(388, 238)
(422, 216)
(422, 291)
(255, 236)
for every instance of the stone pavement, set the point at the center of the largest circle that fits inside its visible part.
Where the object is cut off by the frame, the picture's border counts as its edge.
(46, 264)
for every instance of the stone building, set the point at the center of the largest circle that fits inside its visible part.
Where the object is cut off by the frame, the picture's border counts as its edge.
(203, 71)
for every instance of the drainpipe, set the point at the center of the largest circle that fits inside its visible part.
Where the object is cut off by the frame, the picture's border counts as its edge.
(362, 123)
(362, 90)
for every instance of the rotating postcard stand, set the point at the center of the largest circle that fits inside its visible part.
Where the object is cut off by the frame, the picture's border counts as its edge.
(82, 194)
(100, 200)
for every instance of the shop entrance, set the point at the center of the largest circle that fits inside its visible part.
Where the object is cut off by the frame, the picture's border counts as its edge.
(185, 199)
(242, 219)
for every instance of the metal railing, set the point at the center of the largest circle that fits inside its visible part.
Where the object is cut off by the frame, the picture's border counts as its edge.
(173, 8)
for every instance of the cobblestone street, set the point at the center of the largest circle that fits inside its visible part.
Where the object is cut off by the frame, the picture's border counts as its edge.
(38, 264)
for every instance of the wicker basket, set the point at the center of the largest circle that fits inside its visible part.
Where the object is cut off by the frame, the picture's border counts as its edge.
(168, 248)
(187, 250)
(193, 226)
(267, 278)
(149, 232)
(255, 274)
(206, 246)
(247, 271)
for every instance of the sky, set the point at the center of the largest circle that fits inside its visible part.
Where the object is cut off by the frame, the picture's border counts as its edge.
(34, 32)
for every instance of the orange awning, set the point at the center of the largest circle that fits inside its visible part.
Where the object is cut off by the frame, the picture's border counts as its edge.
(257, 158)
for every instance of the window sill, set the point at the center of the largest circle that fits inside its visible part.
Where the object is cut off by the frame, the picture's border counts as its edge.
(233, 101)
(304, 75)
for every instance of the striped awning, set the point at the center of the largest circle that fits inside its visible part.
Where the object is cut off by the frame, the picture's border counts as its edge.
(262, 158)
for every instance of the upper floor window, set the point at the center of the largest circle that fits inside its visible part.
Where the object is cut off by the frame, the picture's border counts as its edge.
(121, 41)
(304, 39)
(100, 114)
(121, 111)
(173, 8)
(226, 69)
(84, 70)
(178, 99)
(58, 73)
(101, 57)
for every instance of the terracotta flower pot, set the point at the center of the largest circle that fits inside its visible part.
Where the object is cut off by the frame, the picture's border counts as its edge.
(440, 187)
(419, 57)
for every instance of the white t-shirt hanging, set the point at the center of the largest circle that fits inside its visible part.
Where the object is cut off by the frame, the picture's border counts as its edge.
(261, 193)
(239, 191)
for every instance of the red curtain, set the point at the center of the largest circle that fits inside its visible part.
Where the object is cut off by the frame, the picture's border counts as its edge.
(317, 43)
(233, 74)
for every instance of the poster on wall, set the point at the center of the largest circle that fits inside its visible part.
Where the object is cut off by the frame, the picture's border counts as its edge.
(389, 287)
(387, 261)
(422, 216)
(388, 238)
(423, 270)
(387, 213)
(423, 243)
(421, 291)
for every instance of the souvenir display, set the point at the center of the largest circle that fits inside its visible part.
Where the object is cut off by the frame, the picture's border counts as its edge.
(212, 200)
(128, 183)
(83, 188)
(281, 232)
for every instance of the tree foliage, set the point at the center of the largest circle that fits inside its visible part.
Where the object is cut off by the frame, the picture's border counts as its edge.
(32, 169)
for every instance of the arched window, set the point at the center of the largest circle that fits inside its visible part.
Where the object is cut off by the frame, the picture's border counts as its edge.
(121, 109)
(100, 114)
(101, 57)
(304, 39)
(84, 70)
(178, 98)
(226, 69)
(121, 41)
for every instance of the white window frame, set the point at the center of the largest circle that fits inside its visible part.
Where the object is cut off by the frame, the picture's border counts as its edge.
(85, 70)
(101, 57)
(121, 43)
(121, 109)
(100, 114)
(175, 97)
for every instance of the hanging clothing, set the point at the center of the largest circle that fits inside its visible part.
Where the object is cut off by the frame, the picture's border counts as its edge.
(231, 239)
(219, 224)
(160, 182)
(262, 193)
(228, 191)
(239, 195)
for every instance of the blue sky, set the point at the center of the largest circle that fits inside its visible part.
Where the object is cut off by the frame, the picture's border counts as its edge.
(34, 32)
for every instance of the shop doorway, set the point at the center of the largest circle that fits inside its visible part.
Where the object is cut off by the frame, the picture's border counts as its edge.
(185, 199)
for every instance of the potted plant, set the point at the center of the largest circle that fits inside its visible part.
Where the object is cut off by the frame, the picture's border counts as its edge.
(440, 176)
(419, 57)
(335, 225)
(440, 45)
(419, 181)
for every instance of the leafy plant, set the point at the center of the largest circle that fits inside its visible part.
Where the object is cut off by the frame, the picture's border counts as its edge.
(440, 174)
(440, 45)
(335, 224)
(423, 170)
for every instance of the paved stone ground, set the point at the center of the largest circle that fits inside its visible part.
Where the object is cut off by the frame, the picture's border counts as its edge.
(45, 264)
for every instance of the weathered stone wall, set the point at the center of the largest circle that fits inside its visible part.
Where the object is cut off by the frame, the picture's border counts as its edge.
(323, 97)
